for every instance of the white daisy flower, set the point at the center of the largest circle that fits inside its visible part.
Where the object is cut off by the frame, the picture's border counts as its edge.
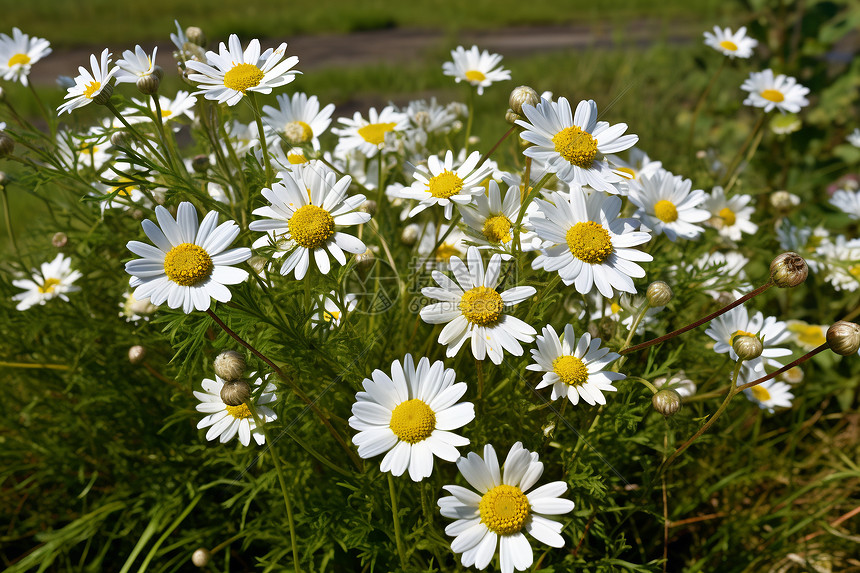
(668, 206)
(52, 280)
(807, 336)
(571, 144)
(134, 309)
(731, 268)
(804, 241)
(188, 264)
(298, 120)
(638, 164)
(847, 202)
(430, 117)
(491, 220)
(171, 109)
(135, 65)
(453, 245)
(731, 44)
(285, 160)
(440, 183)
(227, 76)
(475, 67)
(88, 149)
(591, 245)
(737, 322)
(854, 137)
(368, 135)
(306, 206)
(331, 312)
(186, 49)
(128, 193)
(781, 92)
(19, 53)
(90, 86)
(840, 262)
(242, 136)
(502, 509)
(411, 415)
(475, 311)
(679, 382)
(574, 368)
(768, 395)
(730, 216)
(225, 421)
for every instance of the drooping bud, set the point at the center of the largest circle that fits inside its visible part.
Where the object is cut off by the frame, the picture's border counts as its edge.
(666, 401)
(200, 557)
(844, 337)
(120, 138)
(658, 294)
(196, 36)
(788, 270)
(200, 163)
(235, 393)
(59, 240)
(148, 84)
(136, 354)
(7, 145)
(520, 96)
(104, 96)
(229, 365)
(747, 347)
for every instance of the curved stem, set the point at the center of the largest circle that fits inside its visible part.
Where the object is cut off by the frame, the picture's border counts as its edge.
(736, 160)
(642, 310)
(398, 535)
(497, 144)
(8, 218)
(789, 366)
(701, 102)
(261, 134)
(136, 133)
(469, 120)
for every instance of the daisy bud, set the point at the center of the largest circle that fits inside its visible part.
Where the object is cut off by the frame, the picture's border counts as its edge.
(701, 154)
(666, 401)
(520, 96)
(511, 117)
(230, 365)
(784, 201)
(148, 84)
(201, 557)
(409, 235)
(4, 179)
(368, 206)
(659, 294)
(120, 138)
(788, 270)
(792, 375)
(235, 393)
(747, 347)
(258, 264)
(104, 96)
(844, 337)
(200, 163)
(136, 354)
(7, 145)
(59, 240)
(196, 36)
(365, 259)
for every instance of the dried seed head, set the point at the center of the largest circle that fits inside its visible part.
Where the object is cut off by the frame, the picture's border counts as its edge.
(844, 337)
(659, 294)
(235, 393)
(200, 557)
(520, 96)
(59, 240)
(788, 270)
(136, 354)
(747, 347)
(666, 401)
(229, 365)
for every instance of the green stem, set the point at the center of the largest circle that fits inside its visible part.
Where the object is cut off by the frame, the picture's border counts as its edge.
(159, 124)
(480, 368)
(8, 218)
(497, 144)
(50, 118)
(789, 366)
(737, 158)
(749, 157)
(701, 102)
(471, 105)
(531, 194)
(398, 535)
(137, 134)
(35, 365)
(258, 117)
(642, 310)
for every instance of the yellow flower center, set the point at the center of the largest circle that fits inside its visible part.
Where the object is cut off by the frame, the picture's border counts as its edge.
(729, 45)
(242, 77)
(475, 76)
(737, 333)
(296, 158)
(22, 59)
(589, 242)
(626, 172)
(760, 394)
(666, 211)
(240, 412)
(48, 285)
(808, 334)
(614, 307)
(497, 229)
(331, 316)
(575, 145)
(121, 188)
(772, 95)
(854, 271)
(728, 216)
(412, 421)
(446, 251)
(166, 113)
(445, 184)
(298, 132)
(482, 306)
(92, 89)
(504, 509)
(311, 226)
(187, 264)
(375, 132)
(571, 370)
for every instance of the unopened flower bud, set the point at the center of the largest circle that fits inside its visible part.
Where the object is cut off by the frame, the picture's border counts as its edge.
(520, 96)
(196, 36)
(368, 206)
(59, 240)
(788, 270)
(666, 401)
(365, 259)
(511, 117)
(148, 84)
(201, 557)
(409, 235)
(783, 200)
(4, 179)
(200, 163)
(229, 365)
(235, 393)
(7, 145)
(747, 347)
(658, 294)
(844, 337)
(136, 354)
(104, 96)
(701, 154)
(120, 138)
